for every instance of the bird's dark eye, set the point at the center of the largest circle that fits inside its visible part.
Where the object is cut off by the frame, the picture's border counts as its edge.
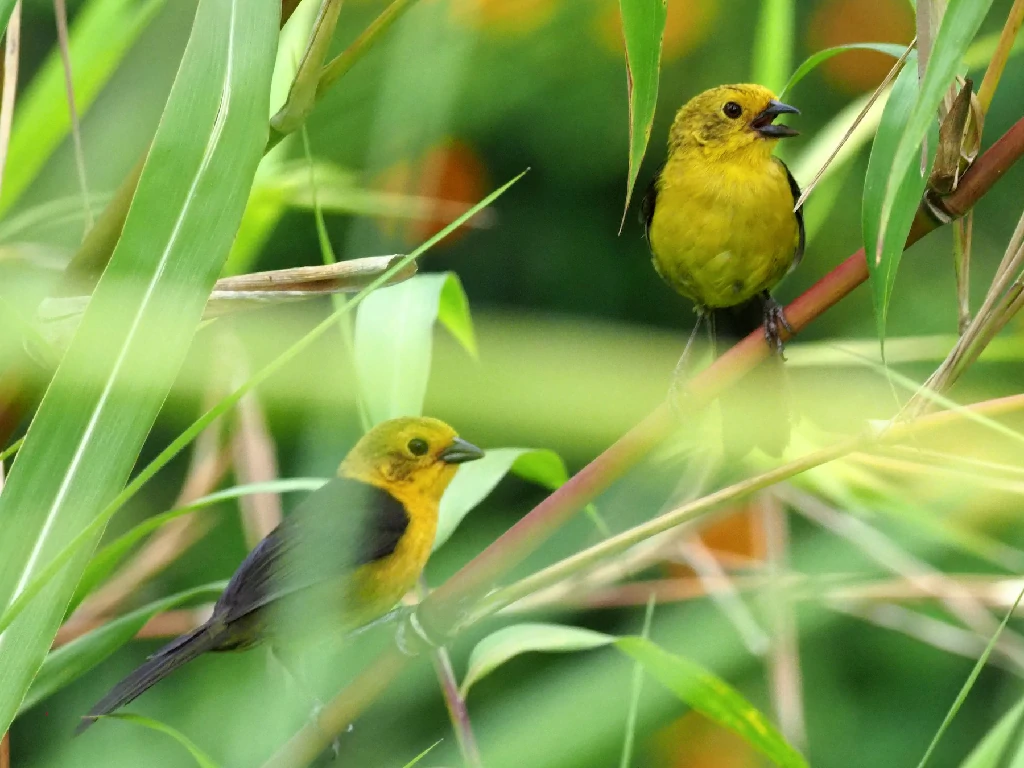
(732, 110)
(418, 446)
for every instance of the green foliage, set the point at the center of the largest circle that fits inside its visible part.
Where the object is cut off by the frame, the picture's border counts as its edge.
(69, 662)
(393, 333)
(692, 684)
(883, 246)
(170, 253)
(103, 32)
(891, 209)
(1000, 743)
(969, 683)
(202, 759)
(773, 46)
(643, 26)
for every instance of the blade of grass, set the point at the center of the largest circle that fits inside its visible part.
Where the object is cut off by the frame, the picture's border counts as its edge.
(302, 94)
(996, 65)
(69, 662)
(643, 26)
(102, 401)
(69, 88)
(773, 43)
(968, 684)
(815, 60)
(12, 44)
(892, 212)
(202, 759)
(713, 698)
(883, 255)
(636, 688)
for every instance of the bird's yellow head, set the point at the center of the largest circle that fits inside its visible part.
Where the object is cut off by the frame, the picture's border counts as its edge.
(409, 456)
(731, 120)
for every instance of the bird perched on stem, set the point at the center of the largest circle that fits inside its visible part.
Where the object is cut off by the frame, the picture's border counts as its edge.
(722, 230)
(350, 551)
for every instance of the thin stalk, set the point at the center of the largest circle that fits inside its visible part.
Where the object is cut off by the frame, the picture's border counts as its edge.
(457, 710)
(327, 252)
(76, 126)
(962, 237)
(997, 63)
(454, 701)
(12, 48)
(784, 661)
(635, 690)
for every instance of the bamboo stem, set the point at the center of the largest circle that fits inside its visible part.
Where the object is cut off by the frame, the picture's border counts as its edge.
(997, 63)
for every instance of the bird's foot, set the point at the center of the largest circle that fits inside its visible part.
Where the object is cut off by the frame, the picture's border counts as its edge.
(411, 637)
(774, 321)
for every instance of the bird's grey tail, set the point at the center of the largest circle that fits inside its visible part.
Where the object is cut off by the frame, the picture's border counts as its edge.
(756, 412)
(156, 668)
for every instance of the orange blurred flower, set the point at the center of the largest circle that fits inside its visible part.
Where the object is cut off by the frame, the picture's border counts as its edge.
(687, 24)
(837, 22)
(513, 17)
(448, 179)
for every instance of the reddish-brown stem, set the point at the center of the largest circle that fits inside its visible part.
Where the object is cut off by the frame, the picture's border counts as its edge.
(5, 751)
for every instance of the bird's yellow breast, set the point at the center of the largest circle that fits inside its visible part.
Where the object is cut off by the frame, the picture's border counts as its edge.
(378, 586)
(723, 231)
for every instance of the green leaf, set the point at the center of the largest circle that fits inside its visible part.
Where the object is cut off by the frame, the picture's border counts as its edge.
(713, 698)
(475, 480)
(101, 35)
(971, 678)
(883, 263)
(394, 340)
(422, 754)
(993, 751)
(302, 94)
(773, 45)
(201, 758)
(643, 27)
(895, 213)
(517, 639)
(109, 557)
(815, 60)
(112, 382)
(69, 662)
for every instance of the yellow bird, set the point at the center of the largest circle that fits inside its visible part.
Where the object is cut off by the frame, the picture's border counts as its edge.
(352, 550)
(719, 214)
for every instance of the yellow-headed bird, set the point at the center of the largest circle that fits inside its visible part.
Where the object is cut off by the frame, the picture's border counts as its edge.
(719, 214)
(356, 546)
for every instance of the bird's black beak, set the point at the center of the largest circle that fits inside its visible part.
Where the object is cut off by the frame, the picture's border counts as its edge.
(763, 122)
(460, 451)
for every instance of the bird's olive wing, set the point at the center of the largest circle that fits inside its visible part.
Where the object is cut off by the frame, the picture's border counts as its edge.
(794, 188)
(337, 528)
(650, 199)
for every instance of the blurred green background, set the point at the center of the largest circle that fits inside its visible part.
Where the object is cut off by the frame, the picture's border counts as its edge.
(577, 340)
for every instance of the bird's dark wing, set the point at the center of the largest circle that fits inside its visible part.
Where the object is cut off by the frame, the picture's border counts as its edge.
(795, 189)
(650, 199)
(339, 527)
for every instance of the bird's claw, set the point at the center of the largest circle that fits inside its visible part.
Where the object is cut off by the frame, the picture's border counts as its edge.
(774, 320)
